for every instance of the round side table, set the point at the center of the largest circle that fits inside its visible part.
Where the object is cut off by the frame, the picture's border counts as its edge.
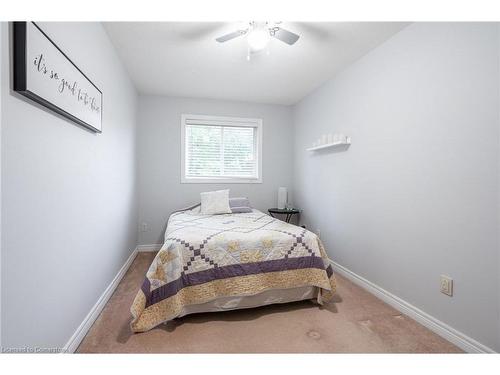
(289, 212)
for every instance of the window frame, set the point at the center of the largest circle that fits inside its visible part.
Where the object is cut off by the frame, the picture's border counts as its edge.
(222, 121)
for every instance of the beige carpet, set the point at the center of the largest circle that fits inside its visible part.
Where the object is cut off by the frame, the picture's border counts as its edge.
(356, 322)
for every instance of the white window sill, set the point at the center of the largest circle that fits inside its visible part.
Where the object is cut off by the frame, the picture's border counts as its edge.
(222, 180)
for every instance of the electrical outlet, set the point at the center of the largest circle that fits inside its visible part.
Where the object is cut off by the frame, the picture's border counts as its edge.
(447, 285)
(144, 227)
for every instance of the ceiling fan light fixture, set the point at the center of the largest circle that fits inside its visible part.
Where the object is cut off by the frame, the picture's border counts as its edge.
(258, 38)
(259, 35)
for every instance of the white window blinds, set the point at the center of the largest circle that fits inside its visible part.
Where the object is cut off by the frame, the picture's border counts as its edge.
(220, 149)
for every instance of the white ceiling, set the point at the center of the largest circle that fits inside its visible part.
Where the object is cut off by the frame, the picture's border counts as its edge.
(183, 58)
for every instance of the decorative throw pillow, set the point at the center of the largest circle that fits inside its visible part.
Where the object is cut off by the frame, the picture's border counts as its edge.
(215, 202)
(240, 205)
(241, 210)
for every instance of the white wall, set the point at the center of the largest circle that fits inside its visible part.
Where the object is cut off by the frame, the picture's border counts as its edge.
(416, 195)
(1, 63)
(160, 166)
(498, 223)
(68, 196)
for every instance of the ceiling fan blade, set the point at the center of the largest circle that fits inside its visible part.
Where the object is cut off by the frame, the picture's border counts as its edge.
(234, 34)
(286, 36)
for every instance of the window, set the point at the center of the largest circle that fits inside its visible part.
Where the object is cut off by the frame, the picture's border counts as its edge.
(221, 149)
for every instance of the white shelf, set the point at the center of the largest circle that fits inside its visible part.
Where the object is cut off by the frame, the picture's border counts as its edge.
(328, 145)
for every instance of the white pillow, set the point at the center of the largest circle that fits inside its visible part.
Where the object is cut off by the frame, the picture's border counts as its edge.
(215, 202)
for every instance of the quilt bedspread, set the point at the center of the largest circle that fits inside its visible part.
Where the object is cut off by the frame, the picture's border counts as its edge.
(205, 257)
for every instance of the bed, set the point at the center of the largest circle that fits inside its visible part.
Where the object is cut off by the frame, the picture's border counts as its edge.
(230, 261)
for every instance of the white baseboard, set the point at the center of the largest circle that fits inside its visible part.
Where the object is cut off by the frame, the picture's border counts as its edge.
(84, 327)
(150, 247)
(442, 329)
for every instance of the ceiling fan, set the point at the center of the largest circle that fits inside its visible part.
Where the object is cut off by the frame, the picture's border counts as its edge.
(259, 34)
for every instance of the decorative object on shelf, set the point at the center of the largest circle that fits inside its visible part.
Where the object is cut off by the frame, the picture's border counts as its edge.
(337, 140)
(43, 73)
(282, 197)
(289, 212)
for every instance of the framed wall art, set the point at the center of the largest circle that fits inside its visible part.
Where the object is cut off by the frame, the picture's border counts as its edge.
(45, 74)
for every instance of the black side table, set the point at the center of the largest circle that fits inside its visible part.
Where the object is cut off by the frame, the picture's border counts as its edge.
(289, 212)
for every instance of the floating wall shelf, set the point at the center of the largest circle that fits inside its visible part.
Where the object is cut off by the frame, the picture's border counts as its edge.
(331, 145)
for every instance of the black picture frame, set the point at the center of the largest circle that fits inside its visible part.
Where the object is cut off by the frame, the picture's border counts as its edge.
(20, 75)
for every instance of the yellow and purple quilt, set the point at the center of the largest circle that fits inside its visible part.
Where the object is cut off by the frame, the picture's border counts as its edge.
(206, 257)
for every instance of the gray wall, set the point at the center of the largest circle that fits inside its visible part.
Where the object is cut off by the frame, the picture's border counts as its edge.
(416, 195)
(68, 196)
(159, 153)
